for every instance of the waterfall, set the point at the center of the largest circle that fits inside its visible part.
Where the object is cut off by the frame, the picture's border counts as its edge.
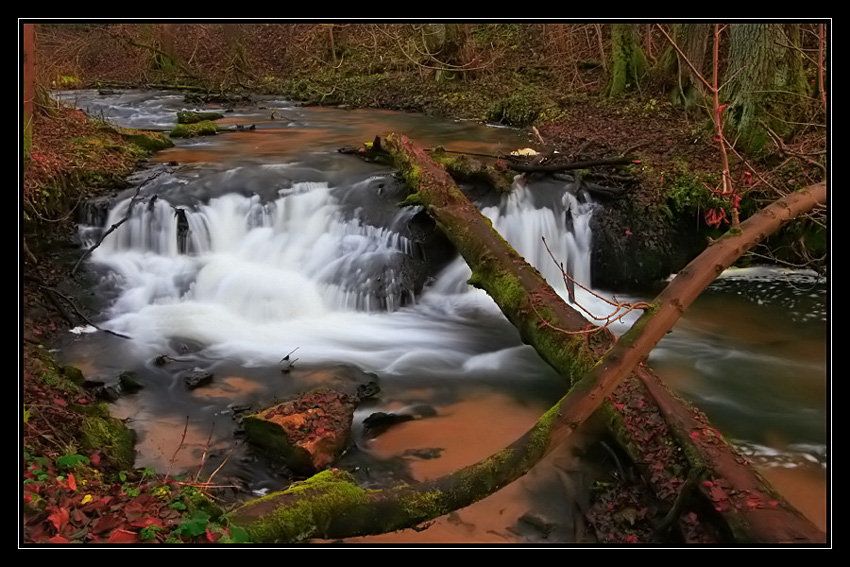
(564, 224)
(250, 277)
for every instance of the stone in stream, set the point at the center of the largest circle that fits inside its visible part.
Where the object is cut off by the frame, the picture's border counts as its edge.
(307, 433)
(197, 378)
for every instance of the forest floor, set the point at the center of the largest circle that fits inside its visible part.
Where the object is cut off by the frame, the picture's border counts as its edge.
(74, 492)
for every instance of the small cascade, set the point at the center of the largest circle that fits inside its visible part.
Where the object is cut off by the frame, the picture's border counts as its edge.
(564, 223)
(264, 260)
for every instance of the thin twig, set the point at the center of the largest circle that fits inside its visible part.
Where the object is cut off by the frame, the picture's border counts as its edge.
(206, 449)
(613, 317)
(177, 450)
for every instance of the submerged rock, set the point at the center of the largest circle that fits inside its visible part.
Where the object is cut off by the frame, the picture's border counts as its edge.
(129, 382)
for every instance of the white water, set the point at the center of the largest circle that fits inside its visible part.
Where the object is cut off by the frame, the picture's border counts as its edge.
(259, 279)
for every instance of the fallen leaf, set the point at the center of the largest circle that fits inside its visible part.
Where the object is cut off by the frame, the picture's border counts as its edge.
(59, 518)
(123, 536)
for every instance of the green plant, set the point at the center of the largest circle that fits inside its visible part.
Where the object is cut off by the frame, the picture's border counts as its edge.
(689, 195)
(519, 110)
(71, 461)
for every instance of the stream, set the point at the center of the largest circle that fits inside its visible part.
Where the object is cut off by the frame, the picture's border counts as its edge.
(272, 261)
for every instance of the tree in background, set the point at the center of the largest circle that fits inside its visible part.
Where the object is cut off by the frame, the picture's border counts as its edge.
(165, 58)
(628, 62)
(447, 48)
(685, 89)
(29, 84)
(765, 83)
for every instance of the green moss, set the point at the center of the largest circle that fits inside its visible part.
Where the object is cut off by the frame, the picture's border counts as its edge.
(204, 128)
(321, 499)
(193, 117)
(412, 200)
(504, 288)
(687, 195)
(51, 374)
(111, 438)
(518, 110)
(150, 142)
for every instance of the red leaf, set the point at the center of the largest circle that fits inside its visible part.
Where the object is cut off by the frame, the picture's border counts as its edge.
(123, 536)
(106, 523)
(59, 518)
(147, 521)
(71, 483)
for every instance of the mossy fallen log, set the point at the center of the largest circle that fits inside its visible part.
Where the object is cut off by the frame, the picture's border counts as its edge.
(331, 505)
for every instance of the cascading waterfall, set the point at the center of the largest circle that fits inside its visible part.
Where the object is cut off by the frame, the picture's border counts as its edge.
(250, 278)
(565, 226)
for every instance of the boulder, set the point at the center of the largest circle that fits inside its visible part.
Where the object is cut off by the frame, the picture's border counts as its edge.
(307, 433)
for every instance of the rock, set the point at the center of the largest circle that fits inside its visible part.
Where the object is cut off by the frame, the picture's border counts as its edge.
(105, 392)
(540, 523)
(193, 117)
(197, 378)
(367, 391)
(74, 374)
(307, 433)
(128, 382)
(380, 421)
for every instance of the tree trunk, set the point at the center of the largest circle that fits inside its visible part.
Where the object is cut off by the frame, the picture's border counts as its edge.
(628, 62)
(162, 47)
(765, 83)
(29, 84)
(685, 87)
(330, 505)
(447, 48)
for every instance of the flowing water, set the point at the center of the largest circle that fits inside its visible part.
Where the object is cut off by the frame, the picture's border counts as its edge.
(235, 251)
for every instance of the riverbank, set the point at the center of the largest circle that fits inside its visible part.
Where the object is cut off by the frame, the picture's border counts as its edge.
(79, 481)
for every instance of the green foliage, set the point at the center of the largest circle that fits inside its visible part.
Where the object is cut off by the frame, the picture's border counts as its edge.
(71, 461)
(150, 532)
(519, 110)
(235, 534)
(687, 195)
(194, 526)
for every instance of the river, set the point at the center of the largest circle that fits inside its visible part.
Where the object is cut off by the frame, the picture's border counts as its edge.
(265, 241)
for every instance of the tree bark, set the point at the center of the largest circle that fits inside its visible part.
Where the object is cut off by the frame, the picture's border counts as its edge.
(29, 83)
(682, 80)
(331, 506)
(628, 62)
(765, 83)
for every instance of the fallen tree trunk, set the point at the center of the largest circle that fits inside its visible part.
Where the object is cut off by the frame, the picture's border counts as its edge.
(330, 505)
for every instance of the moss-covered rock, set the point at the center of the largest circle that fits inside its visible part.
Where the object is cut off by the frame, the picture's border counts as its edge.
(307, 433)
(111, 438)
(194, 116)
(150, 142)
(203, 128)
